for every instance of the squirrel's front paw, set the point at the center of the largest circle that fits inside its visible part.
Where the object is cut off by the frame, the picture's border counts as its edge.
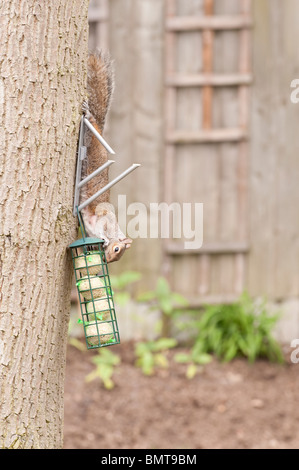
(85, 109)
(106, 241)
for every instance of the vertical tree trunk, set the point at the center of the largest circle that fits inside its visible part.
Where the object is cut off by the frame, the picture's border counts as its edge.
(42, 86)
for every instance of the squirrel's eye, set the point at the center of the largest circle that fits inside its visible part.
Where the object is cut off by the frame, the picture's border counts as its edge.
(116, 249)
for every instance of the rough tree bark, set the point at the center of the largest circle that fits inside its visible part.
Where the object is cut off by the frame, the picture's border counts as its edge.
(42, 85)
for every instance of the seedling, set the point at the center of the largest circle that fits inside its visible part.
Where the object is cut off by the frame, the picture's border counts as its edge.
(163, 299)
(121, 283)
(106, 362)
(151, 354)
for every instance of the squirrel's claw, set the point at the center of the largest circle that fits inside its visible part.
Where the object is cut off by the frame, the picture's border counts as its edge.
(85, 109)
(106, 241)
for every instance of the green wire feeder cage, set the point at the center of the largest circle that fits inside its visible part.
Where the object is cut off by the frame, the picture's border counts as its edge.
(89, 260)
(95, 293)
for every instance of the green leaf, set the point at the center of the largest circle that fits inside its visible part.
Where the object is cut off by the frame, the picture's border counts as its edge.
(160, 360)
(77, 344)
(146, 296)
(146, 362)
(108, 384)
(158, 326)
(163, 344)
(123, 280)
(242, 328)
(150, 354)
(182, 357)
(231, 352)
(92, 376)
(162, 288)
(191, 371)
(105, 362)
(105, 371)
(141, 348)
(179, 299)
(105, 356)
(166, 305)
(203, 358)
(122, 298)
(243, 346)
(129, 277)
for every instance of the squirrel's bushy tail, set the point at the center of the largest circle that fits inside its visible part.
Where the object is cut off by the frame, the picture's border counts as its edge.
(100, 85)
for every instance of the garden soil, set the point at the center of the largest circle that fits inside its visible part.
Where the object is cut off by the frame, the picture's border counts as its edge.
(225, 406)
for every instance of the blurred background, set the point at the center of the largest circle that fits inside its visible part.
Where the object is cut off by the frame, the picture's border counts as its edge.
(202, 101)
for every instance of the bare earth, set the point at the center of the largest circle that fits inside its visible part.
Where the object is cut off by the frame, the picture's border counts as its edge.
(226, 406)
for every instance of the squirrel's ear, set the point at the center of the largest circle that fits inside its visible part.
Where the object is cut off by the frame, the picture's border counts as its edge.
(128, 242)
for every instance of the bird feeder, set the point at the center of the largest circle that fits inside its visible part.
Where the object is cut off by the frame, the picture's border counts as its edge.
(95, 293)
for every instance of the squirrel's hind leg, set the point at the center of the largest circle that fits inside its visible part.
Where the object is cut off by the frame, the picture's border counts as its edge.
(85, 109)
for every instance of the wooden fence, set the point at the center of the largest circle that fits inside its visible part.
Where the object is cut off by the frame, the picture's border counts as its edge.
(202, 101)
(198, 149)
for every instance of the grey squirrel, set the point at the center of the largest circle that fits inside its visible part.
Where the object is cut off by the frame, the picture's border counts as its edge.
(99, 216)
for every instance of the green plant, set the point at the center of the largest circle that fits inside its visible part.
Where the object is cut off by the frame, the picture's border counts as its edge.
(240, 329)
(120, 284)
(151, 354)
(195, 358)
(162, 298)
(106, 362)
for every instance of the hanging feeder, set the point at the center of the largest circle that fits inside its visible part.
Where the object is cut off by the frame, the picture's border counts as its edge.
(95, 293)
(89, 261)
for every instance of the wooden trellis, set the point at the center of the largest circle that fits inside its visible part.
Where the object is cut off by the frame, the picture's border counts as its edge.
(98, 17)
(207, 25)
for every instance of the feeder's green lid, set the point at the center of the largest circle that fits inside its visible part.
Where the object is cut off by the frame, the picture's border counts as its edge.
(86, 241)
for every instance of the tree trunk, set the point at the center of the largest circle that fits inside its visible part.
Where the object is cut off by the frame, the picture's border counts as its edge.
(42, 86)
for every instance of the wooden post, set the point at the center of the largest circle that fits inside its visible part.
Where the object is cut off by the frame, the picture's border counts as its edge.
(170, 119)
(207, 120)
(243, 209)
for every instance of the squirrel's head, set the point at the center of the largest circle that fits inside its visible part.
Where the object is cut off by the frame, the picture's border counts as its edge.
(104, 225)
(116, 248)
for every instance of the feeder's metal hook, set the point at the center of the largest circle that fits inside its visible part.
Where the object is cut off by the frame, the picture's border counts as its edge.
(79, 183)
(81, 224)
(98, 136)
(109, 185)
